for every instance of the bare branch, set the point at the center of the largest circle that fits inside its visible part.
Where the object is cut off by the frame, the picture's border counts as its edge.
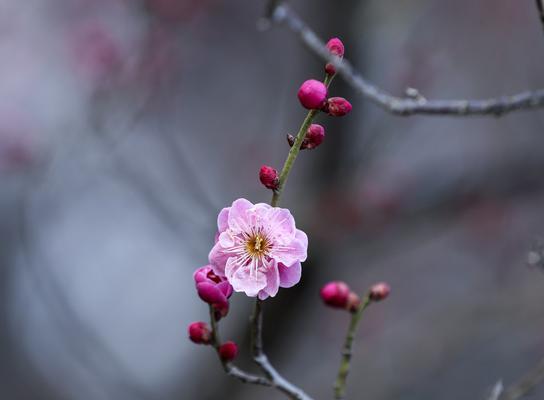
(404, 106)
(261, 359)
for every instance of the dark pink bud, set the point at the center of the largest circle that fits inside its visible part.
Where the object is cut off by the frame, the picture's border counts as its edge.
(336, 47)
(206, 274)
(314, 137)
(337, 106)
(199, 332)
(211, 293)
(379, 291)
(312, 94)
(228, 351)
(354, 301)
(330, 69)
(335, 294)
(269, 177)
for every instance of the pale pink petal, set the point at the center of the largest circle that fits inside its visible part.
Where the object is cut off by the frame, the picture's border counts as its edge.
(243, 279)
(238, 219)
(290, 253)
(300, 235)
(226, 239)
(272, 281)
(218, 258)
(290, 276)
(223, 219)
(281, 224)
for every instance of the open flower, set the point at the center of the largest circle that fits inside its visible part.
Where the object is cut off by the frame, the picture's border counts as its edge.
(259, 248)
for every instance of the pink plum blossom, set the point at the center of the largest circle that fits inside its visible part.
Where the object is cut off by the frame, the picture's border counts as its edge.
(259, 248)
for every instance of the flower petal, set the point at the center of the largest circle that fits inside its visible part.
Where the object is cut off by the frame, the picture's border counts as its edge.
(218, 258)
(280, 225)
(223, 219)
(245, 278)
(272, 281)
(238, 219)
(289, 276)
(290, 253)
(210, 293)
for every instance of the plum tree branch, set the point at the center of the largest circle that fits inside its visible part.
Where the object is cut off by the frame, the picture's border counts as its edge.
(281, 14)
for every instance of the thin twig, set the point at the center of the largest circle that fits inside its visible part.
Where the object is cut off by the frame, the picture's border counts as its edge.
(228, 367)
(526, 384)
(343, 371)
(404, 106)
(261, 359)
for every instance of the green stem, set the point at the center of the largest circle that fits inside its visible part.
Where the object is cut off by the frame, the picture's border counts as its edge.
(343, 371)
(295, 149)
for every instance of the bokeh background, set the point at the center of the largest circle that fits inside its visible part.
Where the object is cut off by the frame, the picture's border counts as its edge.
(125, 126)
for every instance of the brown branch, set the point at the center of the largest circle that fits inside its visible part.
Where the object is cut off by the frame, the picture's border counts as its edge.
(404, 106)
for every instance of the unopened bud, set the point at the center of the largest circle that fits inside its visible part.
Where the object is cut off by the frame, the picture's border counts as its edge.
(199, 332)
(335, 294)
(354, 301)
(228, 351)
(314, 137)
(336, 47)
(337, 106)
(379, 291)
(312, 94)
(269, 177)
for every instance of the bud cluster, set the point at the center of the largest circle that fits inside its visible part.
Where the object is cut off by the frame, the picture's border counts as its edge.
(216, 291)
(337, 294)
(313, 95)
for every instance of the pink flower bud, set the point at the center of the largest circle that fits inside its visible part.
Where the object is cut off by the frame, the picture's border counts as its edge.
(337, 106)
(199, 332)
(336, 47)
(228, 351)
(379, 291)
(314, 137)
(354, 301)
(269, 177)
(335, 294)
(312, 94)
(330, 69)
(213, 289)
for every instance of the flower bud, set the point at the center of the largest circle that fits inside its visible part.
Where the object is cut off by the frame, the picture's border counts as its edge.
(314, 137)
(353, 303)
(336, 47)
(312, 94)
(228, 351)
(379, 291)
(337, 106)
(335, 294)
(199, 332)
(269, 177)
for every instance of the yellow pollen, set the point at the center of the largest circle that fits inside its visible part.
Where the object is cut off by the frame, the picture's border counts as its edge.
(257, 245)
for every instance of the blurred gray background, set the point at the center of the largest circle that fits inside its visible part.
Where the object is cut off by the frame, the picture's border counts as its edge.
(125, 126)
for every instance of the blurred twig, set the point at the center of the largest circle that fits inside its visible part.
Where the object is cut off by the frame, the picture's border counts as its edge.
(526, 384)
(540, 7)
(404, 106)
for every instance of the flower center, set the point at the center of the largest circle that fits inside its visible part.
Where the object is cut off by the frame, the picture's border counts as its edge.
(257, 245)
